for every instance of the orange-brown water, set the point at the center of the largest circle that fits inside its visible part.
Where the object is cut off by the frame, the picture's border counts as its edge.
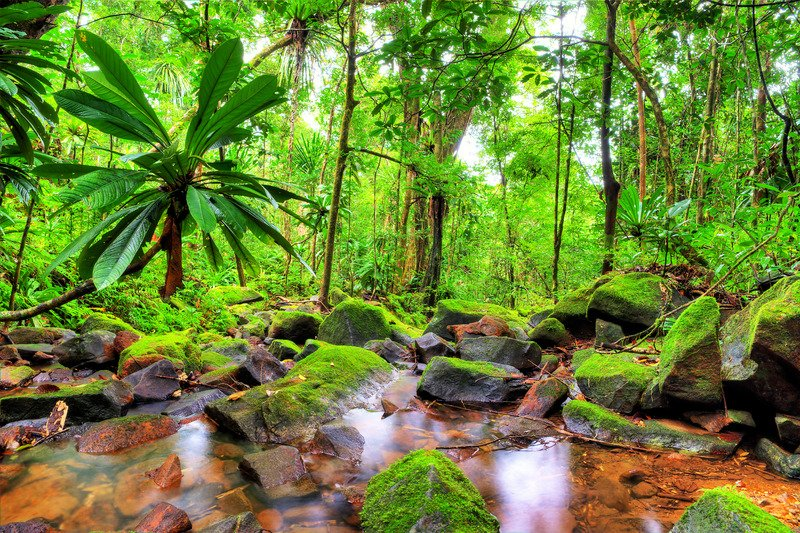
(550, 485)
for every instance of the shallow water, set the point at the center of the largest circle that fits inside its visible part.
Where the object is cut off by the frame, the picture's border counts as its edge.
(549, 485)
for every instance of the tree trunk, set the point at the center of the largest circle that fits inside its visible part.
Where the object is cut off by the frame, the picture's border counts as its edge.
(21, 252)
(560, 220)
(707, 133)
(344, 149)
(610, 185)
(640, 107)
(438, 208)
(171, 243)
(761, 168)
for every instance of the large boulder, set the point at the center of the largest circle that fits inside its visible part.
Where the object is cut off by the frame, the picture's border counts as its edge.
(295, 326)
(273, 467)
(722, 510)
(425, 491)
(572, 308)
(154, 383)
(785, 463)
(235, 349)
(634, 301)
(522, 355)
(548, 333)
(431, 345)
(106, 322)
(233, 295)
(354, 323)
(28, 335)
(177, 347)
(614, 381)
(691, 359)
(448, 379)
(602, 424)
(91, 349)
(318, 389)
(455, 312)
(126, 432)
(91, 402)
(761, 349)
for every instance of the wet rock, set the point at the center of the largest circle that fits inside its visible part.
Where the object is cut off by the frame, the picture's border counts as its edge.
(542, 398)
(520, 427)
(124, 339)
(242, 416)
(607, 333)
(488, 326)
(340, 440)
(37, 525)
(550, 332)
(284, 349)
(126, 432)
(612, 494)
(760, 361)
(14, 376)
(177, 347)
(34, 351)
(91, 402)
(779, 460)
(644, 490)
(389, 350)
(453, 380)
(93, 349)
(273, 467)
(689, 370)
(26, 335)
(295, 326)
(522, 355)
(354, 323)
(425, 491)
(241, 523)
(599, 423)
(722, 510)
(614, 381)
(233, 295)
(634, 301)
(156, 382)
(192, 403)
(260, 367)
(168, 474)
(105, 322)
(788, 430)
(164, 518)
(210, 361)
(455, 312)
(431, 345)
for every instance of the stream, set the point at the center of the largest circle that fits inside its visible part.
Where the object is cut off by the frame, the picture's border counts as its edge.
(548, 485)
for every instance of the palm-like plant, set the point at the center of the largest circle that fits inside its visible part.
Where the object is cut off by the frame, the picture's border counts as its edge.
(173, 182)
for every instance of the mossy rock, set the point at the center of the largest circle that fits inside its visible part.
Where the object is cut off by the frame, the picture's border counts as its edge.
(236, 349)
(691, 359)
(106, 322)
(30, 335)
(225, 378)
(581, 356)
(14, 376)
(207, 337)
(723, 510)
(255, 327)
(232, 295)
(90, 402)
(550, 332)
(212, 360)
(284, 349)
(522, 355)
(449, 379)
(311, 346)
(454, 312)
(354, 323)
(614, 381)
(572, 308)
(425, 491)
(635, 301)
(295, 326)
(760, 359)
(599, 423)
(177, 346)
(337, 296)
(785, 463)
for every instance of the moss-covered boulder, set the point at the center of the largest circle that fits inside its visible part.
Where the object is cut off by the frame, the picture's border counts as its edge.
(691, 359)
(29, 335)
(723, 510)
(455, 312)
(522, 355)
(548, 333)
(316, 390)
(572, 308)
(581, 356)
(311, 346)
(177, 347)
(14, 376)
(785, 463)
(337, 296)
(295, 326)
(599, 423)
(284, 349)
(448, 379)
(212, 360)
(236, 349)
(254, 327)
(614, 381)
(233, 295)
(634, 301)
(354, 323)
(761, 349)
(106, 322)
(90, 402)
(425, 491)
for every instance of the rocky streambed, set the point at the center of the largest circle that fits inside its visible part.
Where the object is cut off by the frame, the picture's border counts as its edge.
(562, 421)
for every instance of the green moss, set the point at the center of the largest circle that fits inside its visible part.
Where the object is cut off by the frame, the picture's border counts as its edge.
(219, 375)
(724, 510)
(229, 347)
(602, 365)
(572, 306)
(425, 491)
(354, 323)
(284, 349)
(549, 332)
(66, 391)
(213, 360)
(232, 295)
(208, 337)
(614, 381)
(337, 296)
(318, 388)
(634, 299)
(310, 346)
(601, 417)
(106, 322)
(11, 376)
(581, 356)
(296, 326)
(175, 346)
(476, 368)
(255, 327)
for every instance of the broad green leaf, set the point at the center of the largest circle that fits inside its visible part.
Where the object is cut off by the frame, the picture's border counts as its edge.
(200, 209)
(104, 116)
(7, 86)
(57, 171)
(213, 253)
(240, 250)
(103, 188)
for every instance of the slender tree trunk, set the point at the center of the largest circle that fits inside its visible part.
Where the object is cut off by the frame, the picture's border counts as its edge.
(640, 107)
(171, 242)
(21, 252)
(560, 220)
(707, 133)
(761, 169)
(344, 149)
(610, 185)
(510, 240)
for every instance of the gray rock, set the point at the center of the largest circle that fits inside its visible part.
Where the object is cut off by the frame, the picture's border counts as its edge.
(452, 380)
(340, 440)
(241, 523)
(26, 335)
(193, 403)
(390, 350)
(607, 333)
(154, 383)
(536, 318)
(788, 430)
(431, 345)
(273, 467)
(95, 348)
(779, 460)
(522, 355)
(260, 367)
